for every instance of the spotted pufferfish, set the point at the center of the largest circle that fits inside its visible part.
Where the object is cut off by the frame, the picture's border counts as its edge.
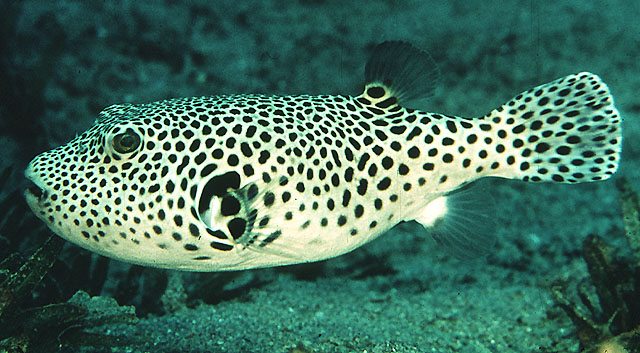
(245, 181)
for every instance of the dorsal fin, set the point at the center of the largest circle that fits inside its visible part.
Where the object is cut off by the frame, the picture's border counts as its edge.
(397, 72)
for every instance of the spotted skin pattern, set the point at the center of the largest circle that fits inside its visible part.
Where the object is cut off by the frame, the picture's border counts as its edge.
(244, 181)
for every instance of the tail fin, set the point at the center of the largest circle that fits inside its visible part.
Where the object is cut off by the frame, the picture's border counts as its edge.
(565, 131)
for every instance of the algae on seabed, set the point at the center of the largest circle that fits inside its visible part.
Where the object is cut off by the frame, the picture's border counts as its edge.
(612, 322)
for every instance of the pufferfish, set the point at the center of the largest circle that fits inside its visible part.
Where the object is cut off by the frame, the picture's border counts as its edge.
(244, 181)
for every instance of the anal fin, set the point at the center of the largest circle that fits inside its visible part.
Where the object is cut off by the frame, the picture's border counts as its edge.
(461, 221)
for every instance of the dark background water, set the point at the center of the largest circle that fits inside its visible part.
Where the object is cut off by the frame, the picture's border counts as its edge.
(64, 61)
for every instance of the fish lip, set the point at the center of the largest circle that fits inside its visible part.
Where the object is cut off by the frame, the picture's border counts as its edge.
(36, 193)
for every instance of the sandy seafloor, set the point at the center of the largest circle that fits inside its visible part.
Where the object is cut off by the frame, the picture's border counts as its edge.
(402, 292)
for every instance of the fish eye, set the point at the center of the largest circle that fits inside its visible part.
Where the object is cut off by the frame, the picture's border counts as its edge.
(126, 142)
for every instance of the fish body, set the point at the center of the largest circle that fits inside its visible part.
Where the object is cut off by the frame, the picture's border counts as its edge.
(244, 181)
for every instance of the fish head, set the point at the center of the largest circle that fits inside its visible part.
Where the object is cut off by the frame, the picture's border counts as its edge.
(111, 187)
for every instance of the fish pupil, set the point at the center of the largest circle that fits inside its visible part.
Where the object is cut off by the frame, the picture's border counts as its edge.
(126, 142)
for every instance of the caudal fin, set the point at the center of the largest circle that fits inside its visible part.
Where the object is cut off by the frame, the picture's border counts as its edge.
(565, 131)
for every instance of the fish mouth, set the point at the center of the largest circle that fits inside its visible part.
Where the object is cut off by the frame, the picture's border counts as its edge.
(35, 194)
